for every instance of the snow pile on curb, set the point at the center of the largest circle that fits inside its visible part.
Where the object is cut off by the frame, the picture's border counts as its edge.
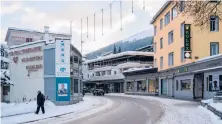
(51, 110)
(217, 106)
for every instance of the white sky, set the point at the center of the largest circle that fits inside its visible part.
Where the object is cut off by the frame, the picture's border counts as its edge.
(58, 14)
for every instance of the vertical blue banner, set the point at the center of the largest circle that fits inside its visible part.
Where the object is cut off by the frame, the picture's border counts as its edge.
(63, 89)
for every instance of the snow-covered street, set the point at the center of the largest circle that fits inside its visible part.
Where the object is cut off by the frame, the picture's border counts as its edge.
(180, 111)
(80, 109)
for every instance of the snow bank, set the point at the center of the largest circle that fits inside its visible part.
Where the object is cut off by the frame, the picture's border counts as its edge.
(207, 101)
(217, 106)
(51, 110)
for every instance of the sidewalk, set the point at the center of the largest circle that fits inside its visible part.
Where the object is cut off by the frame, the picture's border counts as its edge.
(51, 110)
(180, 111)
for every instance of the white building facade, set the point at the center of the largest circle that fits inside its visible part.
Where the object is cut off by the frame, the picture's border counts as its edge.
(106, 72)
(44, 62)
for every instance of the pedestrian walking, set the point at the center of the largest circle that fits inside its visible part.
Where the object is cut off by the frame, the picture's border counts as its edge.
(40, 102)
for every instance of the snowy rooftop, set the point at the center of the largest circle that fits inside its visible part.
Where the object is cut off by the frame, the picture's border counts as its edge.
(36, 31)
(136, 69)
(126, 53)
(209, 58)
(25, 44)
(30, 30)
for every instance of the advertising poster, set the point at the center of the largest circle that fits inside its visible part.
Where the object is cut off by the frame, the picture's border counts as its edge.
(62, 89)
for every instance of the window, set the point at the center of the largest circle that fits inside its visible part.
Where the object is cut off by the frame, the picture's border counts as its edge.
(170, 59)
(182, 54)
(182, 29)
(161, 24)
(97, 73)
(167, 18)
(103, 73)
(214, 23)
(214, 48)
(109, 72)
(161, 62)
(215, 83)
(161, 43)
(182, 6)
(177, 85)
(185, 84)
(114, 72)
(76, 59)
(220, 82)
(154, 47)
(155, 31)
(28, 39)
(154, 62)
(170, 37)
(207, 79)
(173, 12)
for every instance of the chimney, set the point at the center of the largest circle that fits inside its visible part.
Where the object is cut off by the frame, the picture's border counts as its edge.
(46, 34)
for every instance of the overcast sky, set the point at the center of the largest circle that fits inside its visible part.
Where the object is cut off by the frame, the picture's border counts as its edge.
(57, 15)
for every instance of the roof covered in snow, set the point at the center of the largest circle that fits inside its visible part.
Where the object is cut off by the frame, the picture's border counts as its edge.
(30, 30)
(209, 58)
(26, 44)
(134, 71)
(126, 53)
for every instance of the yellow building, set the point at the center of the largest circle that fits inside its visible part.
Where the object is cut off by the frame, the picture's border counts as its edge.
(169, 40)
(198, 77)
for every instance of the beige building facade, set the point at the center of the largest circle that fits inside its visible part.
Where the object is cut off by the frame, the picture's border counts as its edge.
(169, 38)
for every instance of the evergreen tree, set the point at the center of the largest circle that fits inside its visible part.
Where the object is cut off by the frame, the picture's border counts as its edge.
(114, 49)
(119, 51)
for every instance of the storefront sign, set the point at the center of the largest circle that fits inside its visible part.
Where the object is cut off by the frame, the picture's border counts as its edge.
(187, 48)
(182, 70)
(34, 67)
(25, 51)
(62, 58)
(30, 59)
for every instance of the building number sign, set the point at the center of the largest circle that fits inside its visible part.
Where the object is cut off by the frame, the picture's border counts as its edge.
(187, 49)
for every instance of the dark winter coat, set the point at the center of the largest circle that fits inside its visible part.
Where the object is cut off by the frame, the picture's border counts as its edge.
(40, 99)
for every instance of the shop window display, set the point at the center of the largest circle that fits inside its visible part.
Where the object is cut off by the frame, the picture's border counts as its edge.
(129, 86)
(141, 86)
(215, 83)
(185, 84)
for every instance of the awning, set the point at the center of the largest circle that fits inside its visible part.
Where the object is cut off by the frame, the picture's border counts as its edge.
(208, 69)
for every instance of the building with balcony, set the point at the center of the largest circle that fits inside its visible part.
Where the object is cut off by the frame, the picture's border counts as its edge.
(106, 71)
(47, 63)
(169, 34)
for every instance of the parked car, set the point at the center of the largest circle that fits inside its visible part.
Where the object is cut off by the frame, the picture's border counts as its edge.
(98, 92)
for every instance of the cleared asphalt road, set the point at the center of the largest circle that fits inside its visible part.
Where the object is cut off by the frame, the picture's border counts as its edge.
(125, 110)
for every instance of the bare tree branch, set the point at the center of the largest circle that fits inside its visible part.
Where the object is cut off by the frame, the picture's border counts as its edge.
(201, 11)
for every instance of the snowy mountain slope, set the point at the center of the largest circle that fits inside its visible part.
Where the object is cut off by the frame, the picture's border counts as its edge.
(137, 36)
(129, 44)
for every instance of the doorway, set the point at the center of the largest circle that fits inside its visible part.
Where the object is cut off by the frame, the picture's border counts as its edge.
(163, 86)
(198, 86)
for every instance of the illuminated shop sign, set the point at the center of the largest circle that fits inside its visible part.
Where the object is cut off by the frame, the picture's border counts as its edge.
(187, 49)
(30, 59)
(24, 51)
